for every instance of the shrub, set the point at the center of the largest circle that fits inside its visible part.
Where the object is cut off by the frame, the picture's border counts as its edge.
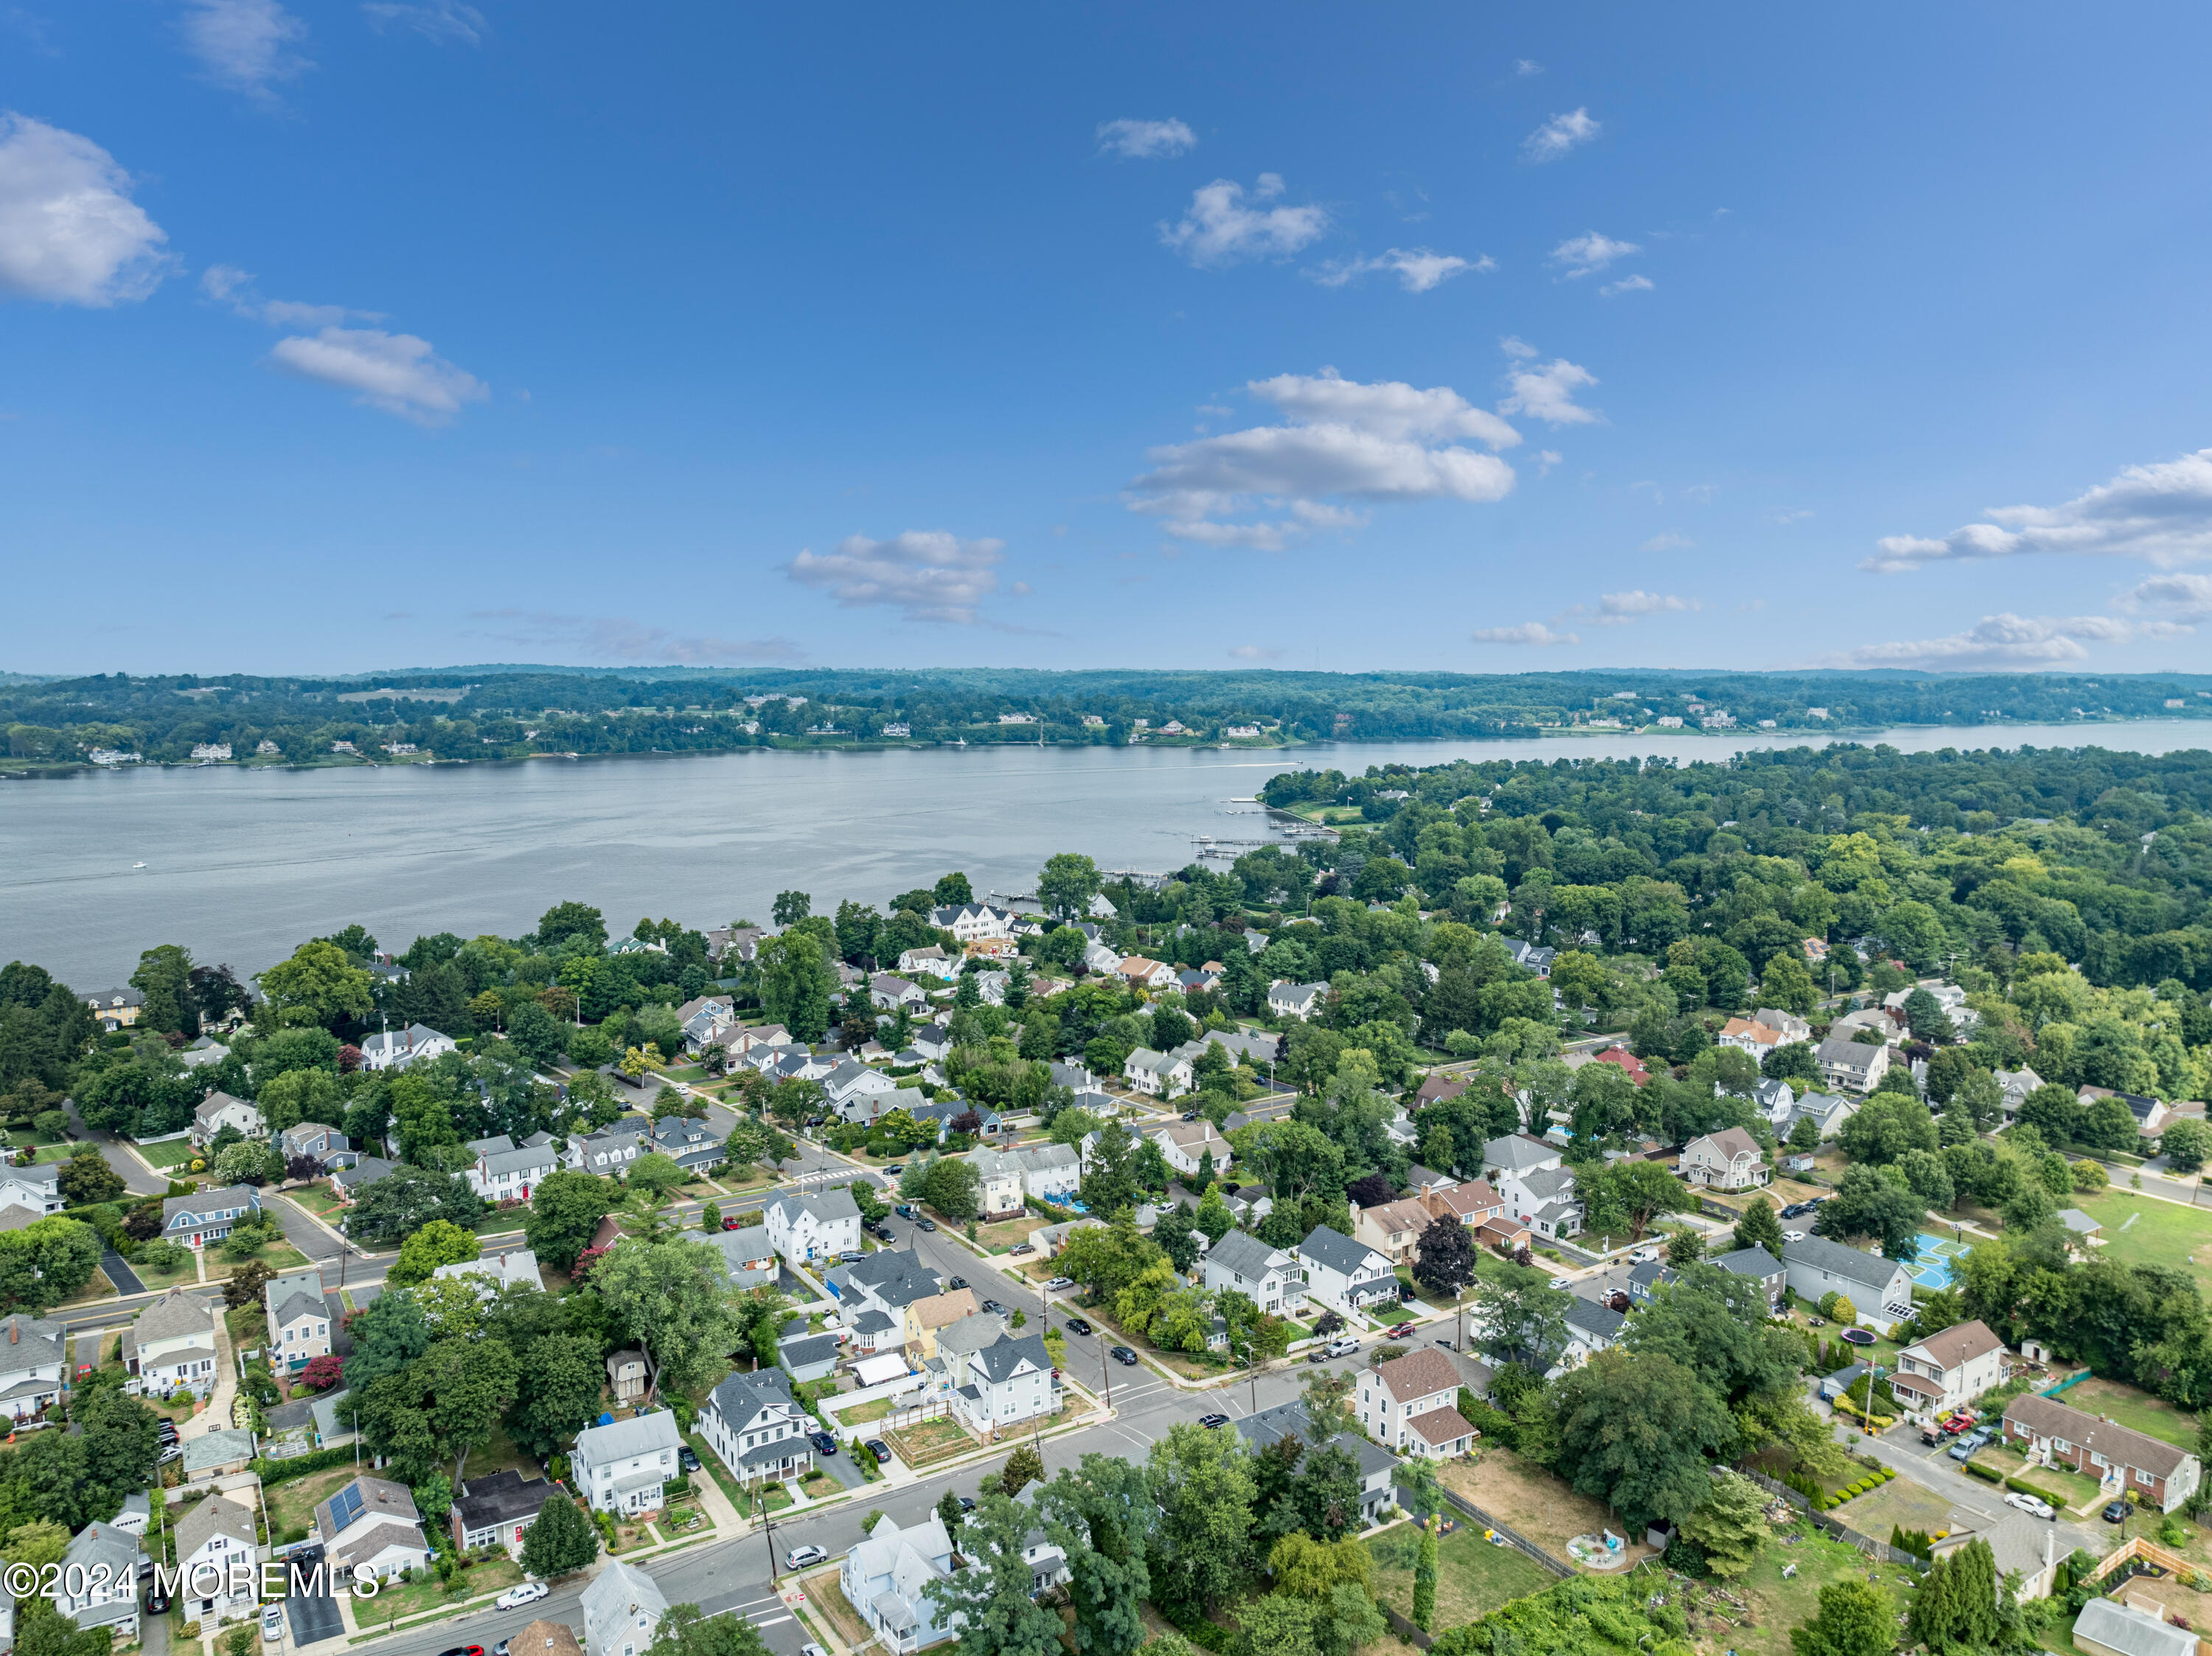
(1987, 1474)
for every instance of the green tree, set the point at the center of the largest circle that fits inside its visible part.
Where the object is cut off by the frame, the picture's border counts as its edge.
(565, 921)
(317, 985)
(1102, 1517)
(1067, 885)
(2186, 1144)
(440, 1242)
(1759, 1227)
(1109, 1183)
(796, 983)
(565, 1376)
(406, 1200)
(46, 1262)
(1424, 1580)
(1875, 1202)
(1178, 1236)
(1202, 1483)
(1730, 1525)
(1956, 1610)
(684, 1631)
(674, 1299)
(1522, 1320)
(953, 1188)
(86, 1178)
(1624, 1196)
(655, 1171)
(1888, 1125)
(1639, 1432)
(1213, 1216)
(565, 1210)
(1023, 1467)
(994, 1600)
(1854, 1619)
(164, 977)
(538, 1034)
(1786, 982)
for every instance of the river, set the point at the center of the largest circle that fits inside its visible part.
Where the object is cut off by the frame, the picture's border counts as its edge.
(242, 865)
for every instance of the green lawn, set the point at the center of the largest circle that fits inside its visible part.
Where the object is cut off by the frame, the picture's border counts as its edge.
(2079, 1492)
(176, 1152)
(1472, 1577)
(2144, 1230)
(187, 1272)
(2135, 1410)
(1777, 1605)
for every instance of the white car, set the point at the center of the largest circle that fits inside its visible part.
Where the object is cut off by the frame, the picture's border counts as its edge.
(1793, 1235)
(514, 1598)
(799, 1558)
(272, 1624)
(2030, 1505)
(1643, 1256)
(1058, 1283)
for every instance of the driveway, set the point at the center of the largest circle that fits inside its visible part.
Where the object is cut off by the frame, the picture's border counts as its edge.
(125, 1279)
(316, 1241)
(136, 1176)
(315, 1618)
(2019, 1541)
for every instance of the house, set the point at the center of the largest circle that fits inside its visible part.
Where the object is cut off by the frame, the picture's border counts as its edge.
(1439, 1088)
(1199, 981)
(1140, 973)
(172, 1345)
(876, 1292)
(886, 1577)
(329, 1434)
(804, 1226)
(692, 1145)
(136, 1515)
(97, 1586)
(1007, 1382)
(299, 1320)
(511, 1267)
(1626, 1062)
(947, 1370)
(1244, 1047)
(2015, 1085)
(372, 1528)
(216, 1453)
(806, 1357)
(933, 961)
(1646, 1279)
(1537, 959)
(1591, 1328)
(1393, 1229)
(1826, 1110)
(546, 1639)
(215, 1536)
(327, 1144)
(2049, 1432)
(1378, 1465)
(1848, 1064)
(116, 1008)
(33, 1364)
(1269, 1276)
(923, 1317)
(998, 1179)
(621, 1468)
(1880, 1290)
(1098, 957)
(1757, 1265)
(1475, 1204)
(756, 1427)
(1537, 1187)
(609, 1151)
(1050, 1173)
(968, 922)
(622, 1609)
(1156, 1075)
(1749, 1035)
(734, 943)
(395, 1049)
(219, 1110)
(1772, 1099)
(348, 1182)
(628, 1377)
(1295, 1000)
(748, 1255)
(1411, 1404)
(1184, 1145)
(2151, 1114)
(37, 1189)
(889, 993)
(506, 1171)
(1949, 1370)
(852, 1081)
(208, 1217)
(1727, 1160)
(2108, 1627)
(1345, 1275)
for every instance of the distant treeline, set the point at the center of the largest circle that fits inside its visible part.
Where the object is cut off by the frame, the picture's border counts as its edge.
(513, 711)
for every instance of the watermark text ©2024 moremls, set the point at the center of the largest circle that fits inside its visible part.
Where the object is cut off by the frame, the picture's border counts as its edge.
(272, 1582)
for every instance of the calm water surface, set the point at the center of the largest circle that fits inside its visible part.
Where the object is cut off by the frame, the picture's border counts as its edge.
(242, 865)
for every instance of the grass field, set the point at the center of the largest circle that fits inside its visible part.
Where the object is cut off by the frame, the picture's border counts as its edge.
(1534, 1503)
(1773, 1606)
(2136, 1410)
(930, 1441)
(2144, 1230)
(2080, 1494)
(1472, 1577)
(292, 1506)
(174, 1153)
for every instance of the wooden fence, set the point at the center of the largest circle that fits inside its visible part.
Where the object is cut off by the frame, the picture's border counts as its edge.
(1880, 1550)
(1557, 1566)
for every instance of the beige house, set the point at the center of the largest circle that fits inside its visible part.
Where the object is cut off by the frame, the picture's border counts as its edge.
(1185, 1143)
(925, 1317)
(1410, 1404)
(1727, 1160)
(1475, 1204)
(1949, 1370)
(1393, 1229)
(299, 1319)
(1851, 1066)
(999, 1183)
(172, 1344)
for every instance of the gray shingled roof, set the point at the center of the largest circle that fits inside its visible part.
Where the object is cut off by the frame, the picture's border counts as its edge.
(1848, 1263)
(1002, 1358)
(1243, 1252)
(1337, 1251)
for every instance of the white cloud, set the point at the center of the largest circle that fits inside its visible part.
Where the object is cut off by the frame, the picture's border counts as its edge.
(2009, 640)
(1512, 345)
(1589, 252)
(1703, 494)
(396, 372)
(928, 575)
(1383, 441)
(1547, 390)
(617, 638)
(1527, 66)
(231, 286)
(1559, 135)
(1528, 632)
(1220, 229)
(1619, 609)
(1797, 517)
(2183, 597)
(1669, 542)
(69, 231)
(1545, 459)
(1254, 652)
(1145, 141)
(445, 21)
(1635, 284)
(245, 44)
(2161, 514)
(1417, 269)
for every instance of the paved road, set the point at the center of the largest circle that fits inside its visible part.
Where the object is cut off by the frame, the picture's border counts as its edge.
(136, 1177)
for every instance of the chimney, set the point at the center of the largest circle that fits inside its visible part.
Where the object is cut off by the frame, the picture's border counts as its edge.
(14, 1329)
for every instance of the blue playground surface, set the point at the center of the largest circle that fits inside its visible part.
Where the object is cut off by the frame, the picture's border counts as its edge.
(1932, 1270)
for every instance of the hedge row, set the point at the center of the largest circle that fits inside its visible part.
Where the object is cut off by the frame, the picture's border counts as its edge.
(2023, 1487)
(1988, 1474)
(1873, 1480)
(315, 1461)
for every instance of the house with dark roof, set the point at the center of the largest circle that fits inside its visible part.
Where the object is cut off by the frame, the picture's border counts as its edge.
(756, 1427)
(1411, 1404)
(2121, 1460)
(498, 1510)
(1757, 1265)
(507, 1171)
(1851, 1065)
(1378, 1465)
(1008, 1382)
(1344, 1275)
(348, 1182)
(213, 1537)
(621, 1467)
(806, 1357)
(97, 1586)
(1880, 1290)
(208, 1215)
(1591, 1328)
(1270, 1276)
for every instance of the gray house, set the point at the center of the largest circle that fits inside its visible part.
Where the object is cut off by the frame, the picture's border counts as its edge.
(1378, 1465)
(622, 1609)
(803, 1355)
(1880, 1290)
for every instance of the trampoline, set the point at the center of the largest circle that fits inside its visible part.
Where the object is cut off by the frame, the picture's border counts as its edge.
(1932, 1270)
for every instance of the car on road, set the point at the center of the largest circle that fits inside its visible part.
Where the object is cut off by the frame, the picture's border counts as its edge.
(1190, 1115)
(1966, 1447)
(907, 1210)
(1058, 1283)
(514, 1598)
(462, 1650)
(1213, 1423)
(2033, 1507)
(1077, 1325)
(994, 1307)
(823, 1442)
(272, 1623)
(1401, 1332)
(1793, 1235)
(1343, 1348)
(954, 1284)
(1122, 1354)
(894, 1170)
(967, 1503)
(809, 1648)
(1642, 1255)
(688, 1458)
(1319, 1353)
(925, 1224)
(799, 1558)
(2115, 1513)
(879, 1449)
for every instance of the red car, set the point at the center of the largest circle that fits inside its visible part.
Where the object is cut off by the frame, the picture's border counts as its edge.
(1403, 1331)
(1957, 1424)
(733, 1224)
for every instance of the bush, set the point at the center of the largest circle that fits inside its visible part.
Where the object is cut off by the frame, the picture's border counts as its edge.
(316, 1460)
(1987, 1474)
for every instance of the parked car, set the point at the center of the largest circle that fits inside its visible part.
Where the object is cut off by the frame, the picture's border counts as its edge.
(953, 1284)
(907, 1210)
(514, 1598)
(967, 1503)
(1403, 1331)
(879, 1449)
(157, 1602)
(994, 1307)
(272, 1623)
(1642, 1255)
(1793, 1235)
(799, 1558)
(1190, 1115)
(894, 1170)
(1060, 1283)
(1317, 1355)
(2115, 1513)
(1931, 1435)
(851, 1256)
(1213, 1423)
(462, 1650)
(925, 1224)
(688, 1458)
(1964, 1448)
(1961, 1422)
(1023, 1248)
(733, 1224)
(1445, 1340)
(2031, 1505)
(1125, 1357)
(1343, 1348)
(809, 1648)
(823, 1442)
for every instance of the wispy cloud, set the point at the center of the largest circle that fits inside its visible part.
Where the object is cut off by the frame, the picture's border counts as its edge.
(1668, 541)
(926, 574)
(1527, 66)
(397, 373)
(1619, 609)
(1546, 390)
(448, 22)
(1528, 632)
(2007, 640)
(1797, 517)
(1634, 284)
(1222, 226)
(617, 638)
(2161, 514)
(1145, 141)
(1559, 135)
(249, 46)
(229, 285)
(70, 232)
(1590, 252)
(1417, 269)
(1254, 652)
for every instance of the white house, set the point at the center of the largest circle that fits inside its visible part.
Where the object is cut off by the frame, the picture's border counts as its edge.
(1286, 999)
(1051, 1172)
(35, 1189)
(215, 1536)
(1008, 1381)
(1184, 1145)
(804, 1226)
(219, 1110)
(622, 1608)
(1727, 1160)
(395, 1049)
(999, 1179)
(371, 1527)
(1156, 1075)
(932, 961)
(1412, 1404)
(510, 1267)
(1536, 1186)
(507, 1171)
(98, 1586)
(1880, 1290)
(620, 1468)
(1345, 1275)
(1270, 1276)
(299, 1320)
(208, 1215)
(1849, 1064)
(852, 1080)
(757, 1428)
(172, 1344)
(33, 1364)
(971, 922)
(885, 1577)
(887, 993)
(1946, 1371)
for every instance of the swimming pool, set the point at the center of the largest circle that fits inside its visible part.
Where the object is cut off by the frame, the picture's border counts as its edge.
(1932, 1270)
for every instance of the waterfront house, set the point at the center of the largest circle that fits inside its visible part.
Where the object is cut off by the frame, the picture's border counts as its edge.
(395, 1049)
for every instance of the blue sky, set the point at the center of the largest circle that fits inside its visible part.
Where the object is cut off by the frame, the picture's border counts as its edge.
(341, 336)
